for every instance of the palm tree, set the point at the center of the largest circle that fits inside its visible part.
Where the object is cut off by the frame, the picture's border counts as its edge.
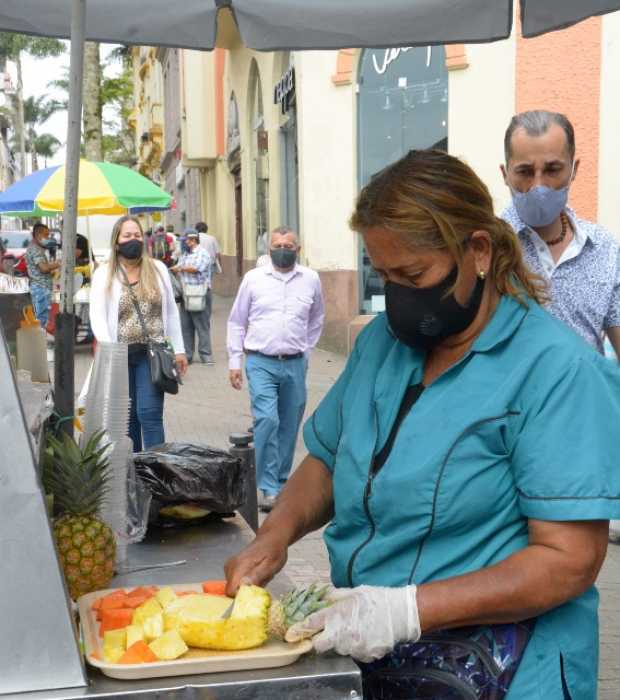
(46, 146)
(37, 110)
(12, 46)
(115, 142)
(93, 104)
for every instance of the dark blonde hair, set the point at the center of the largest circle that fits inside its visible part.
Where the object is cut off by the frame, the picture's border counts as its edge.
(436, 201)
(149, 285)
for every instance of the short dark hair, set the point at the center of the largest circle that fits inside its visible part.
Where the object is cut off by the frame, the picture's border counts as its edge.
(536, 123)
(39, 226)
(201, 227)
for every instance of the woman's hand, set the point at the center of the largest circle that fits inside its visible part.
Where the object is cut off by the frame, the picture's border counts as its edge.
(257, 564)
(181, 360)
(364, 622)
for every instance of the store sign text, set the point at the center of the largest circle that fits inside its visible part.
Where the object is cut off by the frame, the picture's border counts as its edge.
(284, 90)
(390, 55)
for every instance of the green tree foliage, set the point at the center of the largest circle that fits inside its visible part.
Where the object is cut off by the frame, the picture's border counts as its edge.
(12, 48)
(117, 103)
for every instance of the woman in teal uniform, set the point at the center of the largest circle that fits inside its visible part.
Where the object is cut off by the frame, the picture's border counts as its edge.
(465, 460)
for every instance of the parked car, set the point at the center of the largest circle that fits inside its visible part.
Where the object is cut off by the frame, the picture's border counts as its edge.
(14, 244)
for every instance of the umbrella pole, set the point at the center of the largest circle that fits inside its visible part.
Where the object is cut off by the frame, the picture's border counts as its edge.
(64, 348)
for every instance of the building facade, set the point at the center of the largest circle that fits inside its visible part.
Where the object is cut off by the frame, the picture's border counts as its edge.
(182, 182)
(290, 137)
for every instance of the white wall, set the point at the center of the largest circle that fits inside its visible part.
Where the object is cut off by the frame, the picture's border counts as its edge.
(326, 146)
(609, 140)
(482, 102)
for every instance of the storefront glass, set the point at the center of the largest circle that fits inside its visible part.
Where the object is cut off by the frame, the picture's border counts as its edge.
(402, 105)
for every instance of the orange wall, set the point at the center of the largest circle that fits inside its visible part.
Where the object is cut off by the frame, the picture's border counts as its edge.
(561, 72)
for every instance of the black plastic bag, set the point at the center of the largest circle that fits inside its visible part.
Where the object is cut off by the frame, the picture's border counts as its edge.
(178, 472)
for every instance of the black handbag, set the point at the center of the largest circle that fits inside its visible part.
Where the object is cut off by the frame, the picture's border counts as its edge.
(162, 361)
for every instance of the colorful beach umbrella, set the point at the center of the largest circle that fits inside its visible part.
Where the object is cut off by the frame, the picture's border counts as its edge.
(105, 188)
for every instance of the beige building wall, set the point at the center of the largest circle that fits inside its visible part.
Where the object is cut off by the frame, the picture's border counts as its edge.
(481, 104)
(609, 143)
(327, 187)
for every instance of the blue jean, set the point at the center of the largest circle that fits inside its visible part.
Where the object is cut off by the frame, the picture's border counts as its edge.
(146, 413)
(41, 300)
(278, 395)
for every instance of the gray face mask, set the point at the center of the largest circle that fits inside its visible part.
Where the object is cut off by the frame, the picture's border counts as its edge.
(283, 258)
(541, 205)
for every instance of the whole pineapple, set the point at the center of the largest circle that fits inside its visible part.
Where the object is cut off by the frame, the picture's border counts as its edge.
(77, 479)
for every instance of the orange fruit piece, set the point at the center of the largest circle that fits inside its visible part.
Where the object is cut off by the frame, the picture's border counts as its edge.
(113, 601)
(138, 653)
(214, 587)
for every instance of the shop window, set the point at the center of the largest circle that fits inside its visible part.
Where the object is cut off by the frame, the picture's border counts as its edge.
(402, 105)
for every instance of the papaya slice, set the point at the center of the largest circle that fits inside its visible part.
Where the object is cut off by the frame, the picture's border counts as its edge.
(138, 653)
(214, 587)
(113, 601)
(116, 618)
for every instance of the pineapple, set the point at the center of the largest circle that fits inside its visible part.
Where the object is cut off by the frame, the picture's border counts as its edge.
(295, 607)
(169, 646)
(134, 634)
(114, 645)
(253, 619)
(77, 479)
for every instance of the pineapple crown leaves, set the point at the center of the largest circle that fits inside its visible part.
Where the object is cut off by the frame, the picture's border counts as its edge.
(300, 603)
(78, 478)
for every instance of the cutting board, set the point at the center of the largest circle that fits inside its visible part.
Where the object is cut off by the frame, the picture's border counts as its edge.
(272, 654)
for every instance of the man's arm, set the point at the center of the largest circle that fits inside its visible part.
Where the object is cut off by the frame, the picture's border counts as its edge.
(237, 326)
(47, 267)
(316, 316)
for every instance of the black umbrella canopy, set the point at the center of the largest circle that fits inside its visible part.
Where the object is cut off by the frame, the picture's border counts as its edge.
(298, 24)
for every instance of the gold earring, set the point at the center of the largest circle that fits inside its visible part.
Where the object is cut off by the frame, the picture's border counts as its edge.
(482, 274)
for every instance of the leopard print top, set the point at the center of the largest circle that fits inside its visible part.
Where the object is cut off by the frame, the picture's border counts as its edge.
(129, 326)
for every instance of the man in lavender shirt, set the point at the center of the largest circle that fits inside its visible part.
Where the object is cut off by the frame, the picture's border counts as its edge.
(275, 321)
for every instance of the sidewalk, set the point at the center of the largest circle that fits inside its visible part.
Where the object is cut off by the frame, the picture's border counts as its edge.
(207, 410)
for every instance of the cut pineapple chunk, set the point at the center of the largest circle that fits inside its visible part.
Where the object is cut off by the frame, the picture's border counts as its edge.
(169, 646)
(202, 606)
(134, 634)
(148, 609)
(153, 627)
(115, 639)
(165, 596)
(251, 601)
(246, 628)
(111, 655)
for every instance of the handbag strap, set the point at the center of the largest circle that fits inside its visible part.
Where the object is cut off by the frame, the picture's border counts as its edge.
(134, 299)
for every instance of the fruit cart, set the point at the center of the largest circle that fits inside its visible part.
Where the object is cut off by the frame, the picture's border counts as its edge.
(40, 656)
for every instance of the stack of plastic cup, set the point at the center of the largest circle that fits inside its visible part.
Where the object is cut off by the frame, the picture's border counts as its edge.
(114, 508)
(107, 409)
(107, 401)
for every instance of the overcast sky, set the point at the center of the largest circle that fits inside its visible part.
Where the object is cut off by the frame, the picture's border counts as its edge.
(37, 73)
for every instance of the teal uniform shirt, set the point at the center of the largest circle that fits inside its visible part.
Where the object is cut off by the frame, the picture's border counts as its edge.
(524, 426)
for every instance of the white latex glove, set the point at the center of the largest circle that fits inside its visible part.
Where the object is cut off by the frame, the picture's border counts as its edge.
(364, 622)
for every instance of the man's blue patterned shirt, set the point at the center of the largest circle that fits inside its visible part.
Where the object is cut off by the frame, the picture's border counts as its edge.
(585, 284)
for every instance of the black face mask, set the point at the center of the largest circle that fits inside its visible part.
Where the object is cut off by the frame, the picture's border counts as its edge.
(422, 318)
(131, 250)
(283, 257)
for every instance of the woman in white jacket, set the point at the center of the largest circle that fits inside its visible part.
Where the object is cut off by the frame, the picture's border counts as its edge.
(131, 272)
